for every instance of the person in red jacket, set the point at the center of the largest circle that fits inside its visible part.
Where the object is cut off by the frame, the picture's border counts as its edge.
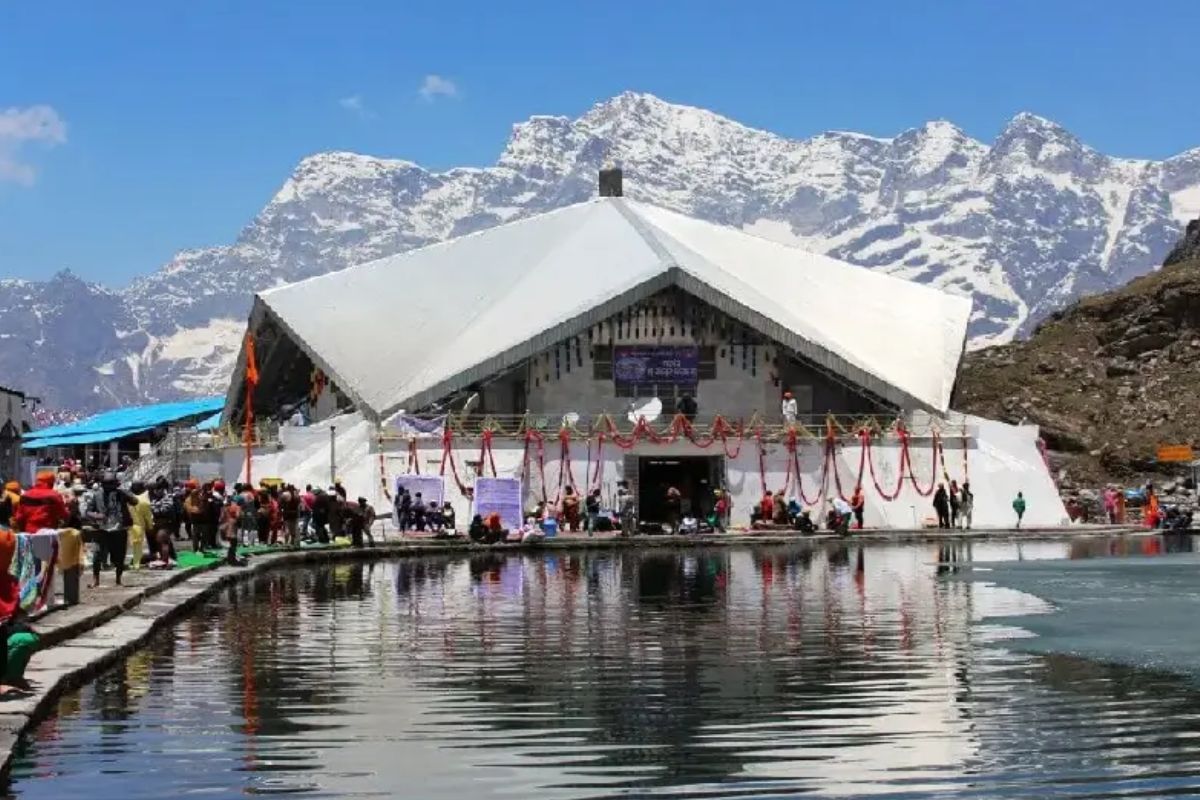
(41, 507)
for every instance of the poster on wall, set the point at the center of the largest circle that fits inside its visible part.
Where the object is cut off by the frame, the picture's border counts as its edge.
(431, 487)
(501, 495)
(656, 364)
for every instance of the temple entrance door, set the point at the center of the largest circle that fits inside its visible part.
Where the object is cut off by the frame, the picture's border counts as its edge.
(694, 476)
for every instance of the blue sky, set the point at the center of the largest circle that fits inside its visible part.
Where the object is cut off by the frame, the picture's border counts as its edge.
(131, 130)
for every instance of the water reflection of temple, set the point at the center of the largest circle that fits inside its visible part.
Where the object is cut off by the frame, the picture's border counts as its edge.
(665, 650)
(833, 665)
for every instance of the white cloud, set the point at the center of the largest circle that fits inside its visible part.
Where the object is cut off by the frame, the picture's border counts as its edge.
(355, 104)
(20, 126)
(435, 86)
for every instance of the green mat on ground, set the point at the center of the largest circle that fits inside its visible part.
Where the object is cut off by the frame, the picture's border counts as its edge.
(189, 559)
(206, 558)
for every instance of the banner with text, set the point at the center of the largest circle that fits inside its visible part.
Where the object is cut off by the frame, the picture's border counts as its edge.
(656, 364)
(500, 495)
(431, 487)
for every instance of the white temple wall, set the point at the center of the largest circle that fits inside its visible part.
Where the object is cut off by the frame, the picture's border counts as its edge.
(1001, 460)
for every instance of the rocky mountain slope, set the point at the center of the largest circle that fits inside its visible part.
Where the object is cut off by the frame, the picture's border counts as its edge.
(1109, 378)
(1025, 224)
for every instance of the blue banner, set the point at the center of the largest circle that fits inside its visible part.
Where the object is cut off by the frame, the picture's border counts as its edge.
(656, 364)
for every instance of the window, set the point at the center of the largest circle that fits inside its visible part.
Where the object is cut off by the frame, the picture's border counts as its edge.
(602, 362)
(706, 365)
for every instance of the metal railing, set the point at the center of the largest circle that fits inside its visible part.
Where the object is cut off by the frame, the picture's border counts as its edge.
(263, 433)
(769, 428)
(702, 426)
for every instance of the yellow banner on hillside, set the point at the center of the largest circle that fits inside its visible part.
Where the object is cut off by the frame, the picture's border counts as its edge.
(1175, 452)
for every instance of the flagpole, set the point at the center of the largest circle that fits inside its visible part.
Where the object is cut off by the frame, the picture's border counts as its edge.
(251, 383)
(248, 435)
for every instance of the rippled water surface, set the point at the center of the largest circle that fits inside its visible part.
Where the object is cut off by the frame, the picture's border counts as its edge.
(823, 671)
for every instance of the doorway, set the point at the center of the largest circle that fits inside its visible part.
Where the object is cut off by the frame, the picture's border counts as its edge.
(694, 476)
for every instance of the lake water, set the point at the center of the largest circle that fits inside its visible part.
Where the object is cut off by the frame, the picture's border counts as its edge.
(820, 671)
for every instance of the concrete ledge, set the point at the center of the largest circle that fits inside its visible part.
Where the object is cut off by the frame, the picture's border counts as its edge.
(80, 642)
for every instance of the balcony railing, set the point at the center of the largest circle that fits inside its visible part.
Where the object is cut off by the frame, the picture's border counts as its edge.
(473, 426)
(703, 426)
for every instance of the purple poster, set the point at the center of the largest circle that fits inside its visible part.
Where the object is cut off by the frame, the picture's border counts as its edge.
(656, 364)
(502, 495)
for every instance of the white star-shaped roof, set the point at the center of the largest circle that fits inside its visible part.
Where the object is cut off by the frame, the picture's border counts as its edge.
(407, 330)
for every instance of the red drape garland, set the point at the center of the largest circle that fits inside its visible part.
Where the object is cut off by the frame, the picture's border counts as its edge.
(565, 471)
(594, 483)
(866, 440)
(486, 456)
(831, 460)
(529, 434)
(823, 491)
(587, 468)
(541, 457)
(721, 430)
(762, 460)
(793, 470)
(741, 439)
(680, 426)
(907, 460)
(533, 436)
(448, 456)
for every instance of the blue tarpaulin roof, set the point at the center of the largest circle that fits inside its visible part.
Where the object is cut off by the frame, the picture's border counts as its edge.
(81, 438)
(121, 422)
(209, 423)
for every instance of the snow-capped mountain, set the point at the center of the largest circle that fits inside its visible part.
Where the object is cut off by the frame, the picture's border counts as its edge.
(1024, 224)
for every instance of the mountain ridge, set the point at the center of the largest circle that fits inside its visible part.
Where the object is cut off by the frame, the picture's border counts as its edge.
(1104, 377)
(1025, 225)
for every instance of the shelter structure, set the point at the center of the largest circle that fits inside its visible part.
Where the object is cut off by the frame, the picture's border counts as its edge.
(107, 438)
(17, 421)
(614, 341)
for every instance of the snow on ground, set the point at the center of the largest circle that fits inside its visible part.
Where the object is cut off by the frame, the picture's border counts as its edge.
(202, 342)
(1185, 204)
(200, 359)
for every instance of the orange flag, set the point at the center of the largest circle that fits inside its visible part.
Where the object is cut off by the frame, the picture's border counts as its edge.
(251, 362)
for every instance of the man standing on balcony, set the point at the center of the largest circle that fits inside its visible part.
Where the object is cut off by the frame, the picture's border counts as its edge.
(789, 409)
(688, 407)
